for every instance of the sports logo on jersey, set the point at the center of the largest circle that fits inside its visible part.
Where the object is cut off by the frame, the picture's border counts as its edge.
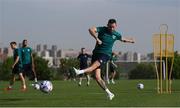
(28, 50)
(101, 61)
(114, 37)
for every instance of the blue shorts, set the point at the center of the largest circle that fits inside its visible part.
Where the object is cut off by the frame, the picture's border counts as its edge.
(102, 58)
(27, 69)
(84, 66)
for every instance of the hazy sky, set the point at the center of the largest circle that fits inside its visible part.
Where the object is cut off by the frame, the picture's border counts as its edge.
(66, 22)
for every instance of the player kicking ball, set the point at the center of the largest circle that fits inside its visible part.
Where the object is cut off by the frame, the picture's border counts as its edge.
(105, 38)
(16, 67)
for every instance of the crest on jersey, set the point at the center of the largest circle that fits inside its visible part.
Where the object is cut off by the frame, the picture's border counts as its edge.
(101, 61)
(114, 37)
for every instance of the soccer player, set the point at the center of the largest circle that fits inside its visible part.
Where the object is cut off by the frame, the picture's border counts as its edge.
(16, 67)
(113, 67)
(103, 50)
(27, 60)
(83, 59)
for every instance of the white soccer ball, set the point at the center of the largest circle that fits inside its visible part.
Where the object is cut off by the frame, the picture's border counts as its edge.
(140, 86)
(36, 86)
(46, 86)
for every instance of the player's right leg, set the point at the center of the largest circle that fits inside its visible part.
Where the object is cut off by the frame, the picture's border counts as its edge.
(11, 83)
(113, 73)
(113, 76)
(23, 82)
(13, 78)
(95, 65)
(80, 79)
(88, 79)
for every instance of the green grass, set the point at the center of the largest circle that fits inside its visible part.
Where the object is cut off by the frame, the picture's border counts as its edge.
(67, 93)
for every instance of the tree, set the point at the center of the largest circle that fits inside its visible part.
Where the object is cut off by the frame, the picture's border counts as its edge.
(176, 66)
(42, 69)
(67, 65)
(143, 71)
(5, 70)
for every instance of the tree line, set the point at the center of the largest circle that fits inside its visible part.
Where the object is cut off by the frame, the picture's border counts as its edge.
(65, 71)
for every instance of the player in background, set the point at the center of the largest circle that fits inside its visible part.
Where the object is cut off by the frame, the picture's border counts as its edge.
(28, 60)
(105, 37)
(113, 67)
(16, 67)
(83, 59)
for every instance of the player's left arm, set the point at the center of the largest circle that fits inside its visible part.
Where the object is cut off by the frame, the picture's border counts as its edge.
(89, 55)
(17, 58)
(127, 40)
(15, 62)
(79, 56)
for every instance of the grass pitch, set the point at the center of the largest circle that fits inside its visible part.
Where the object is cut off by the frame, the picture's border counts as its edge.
(69, 94)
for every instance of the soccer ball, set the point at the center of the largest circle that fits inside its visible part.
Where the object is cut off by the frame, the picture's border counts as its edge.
(140, 86)
(46, 86)
(36, 86)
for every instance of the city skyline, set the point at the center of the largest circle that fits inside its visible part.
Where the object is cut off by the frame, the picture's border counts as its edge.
(65, 23)
(53, 54)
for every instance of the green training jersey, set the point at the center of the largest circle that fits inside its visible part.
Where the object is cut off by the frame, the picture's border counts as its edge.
(26, 55)
(108, 39)
(16, 53)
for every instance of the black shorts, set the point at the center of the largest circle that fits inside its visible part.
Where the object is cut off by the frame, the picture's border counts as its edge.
(83, 67)
(102, 58)
(17, 69)
(27, 69)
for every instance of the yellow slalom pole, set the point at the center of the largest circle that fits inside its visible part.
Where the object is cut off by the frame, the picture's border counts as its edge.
(157, 74)
(161, 86)
(155, 63)
(166, 49)
(170, 73)
(170, 81)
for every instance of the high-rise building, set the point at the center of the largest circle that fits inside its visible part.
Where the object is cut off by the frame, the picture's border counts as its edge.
(59, 53)
(128, 56)
(54, 47)
(53, 51)
(45, 47)
(46, 56)
(137, 57)
(7, 51)
(38, 48)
